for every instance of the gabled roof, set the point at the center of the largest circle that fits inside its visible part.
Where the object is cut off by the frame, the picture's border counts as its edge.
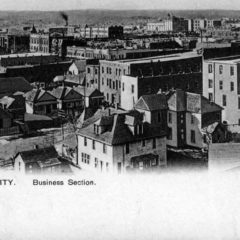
(88, 92)
(62, 92)
(208, 107)
(14, 84)
(152, 102)
(43, 156)
(35, 95)
(119, 132)
(92, 117)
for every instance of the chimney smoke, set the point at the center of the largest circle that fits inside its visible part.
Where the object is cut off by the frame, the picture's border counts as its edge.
(65, 17)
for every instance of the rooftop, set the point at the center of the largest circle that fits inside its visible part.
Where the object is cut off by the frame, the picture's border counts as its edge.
(227, 60)
(41, 156)
(163, 58)
(26, 55)
(118, 132)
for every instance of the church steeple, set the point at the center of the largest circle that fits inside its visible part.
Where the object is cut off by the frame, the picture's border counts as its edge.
(34, 30)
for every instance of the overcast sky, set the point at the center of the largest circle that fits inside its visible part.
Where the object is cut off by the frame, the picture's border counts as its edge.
(117, 4)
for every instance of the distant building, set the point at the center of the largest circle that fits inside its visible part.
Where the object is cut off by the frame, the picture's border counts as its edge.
(172, 24)
(102, 32)
(15, 41)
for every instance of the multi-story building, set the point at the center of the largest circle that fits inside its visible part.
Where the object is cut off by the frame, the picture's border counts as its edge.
(192, 120)
(39, 42)
(101, 32)
(172, 24)
(121, 142)
(124, 81)
(221, 85)
(14, 41)
(116, 53)
(93, 73)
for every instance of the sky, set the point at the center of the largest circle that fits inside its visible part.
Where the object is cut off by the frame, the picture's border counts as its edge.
(56, 5)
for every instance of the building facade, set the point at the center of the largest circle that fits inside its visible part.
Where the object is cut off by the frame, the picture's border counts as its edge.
(221, 85)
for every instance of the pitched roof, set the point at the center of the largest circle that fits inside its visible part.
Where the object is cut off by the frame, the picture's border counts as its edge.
(35, 94)
(88, 92)
(93, 117)
(14, 84)
(152, 102)
(119, 132)
(61, 92)
(43, 156)
(208, 107)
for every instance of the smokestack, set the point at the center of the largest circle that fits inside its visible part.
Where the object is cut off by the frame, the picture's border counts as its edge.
(65, 17)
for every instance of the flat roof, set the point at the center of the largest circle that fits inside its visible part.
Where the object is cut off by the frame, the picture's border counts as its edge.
(163, 58)
(227, 60)
(26, 55)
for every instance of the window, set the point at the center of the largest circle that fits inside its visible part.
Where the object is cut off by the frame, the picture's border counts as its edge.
(116, 84)
(210, 97)
(110, 83)
(220, 85)
(93, 144)
(102, 81)
(232, 86)
(85, 158)
(123, 86)
(170, 117)
(193, 140)
(113, 85)
(107, 166)
(159, 117)
(192, 119)
(224, 100)
(107, 82)
(143, 143)
(127, 148)
(104, 148)
(154, 143)
(210, 83)
(107, 96)
(231, 70)
(220, 69)
(238, 121)
(102, 69)
(169, 134)
(96, 162)
(96, 71)
(132, 88)
(238, 102)
(89, 70)
(85, 141)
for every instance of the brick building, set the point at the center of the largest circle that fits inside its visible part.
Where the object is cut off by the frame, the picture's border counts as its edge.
(148, 76)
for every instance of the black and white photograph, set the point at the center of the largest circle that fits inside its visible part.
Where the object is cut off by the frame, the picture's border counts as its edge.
(119, 120)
